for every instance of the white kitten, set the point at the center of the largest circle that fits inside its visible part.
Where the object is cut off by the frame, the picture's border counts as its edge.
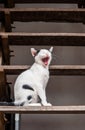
(31, 84)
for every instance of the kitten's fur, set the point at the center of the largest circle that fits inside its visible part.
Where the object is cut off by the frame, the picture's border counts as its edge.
(30, 85)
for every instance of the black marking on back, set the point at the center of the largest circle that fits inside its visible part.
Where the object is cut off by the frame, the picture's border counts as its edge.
(29, 97)
(22, 104)
(25, 86)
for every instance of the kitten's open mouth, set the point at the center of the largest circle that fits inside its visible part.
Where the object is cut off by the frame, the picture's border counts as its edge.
(45, 60)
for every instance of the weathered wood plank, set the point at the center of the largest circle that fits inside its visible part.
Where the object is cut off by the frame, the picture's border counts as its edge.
(44, 109)
(54, 69)
(45, 14)
(54, 39)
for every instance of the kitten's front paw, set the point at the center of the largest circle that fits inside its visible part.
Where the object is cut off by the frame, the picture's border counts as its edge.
(35, 104)
(47, 104)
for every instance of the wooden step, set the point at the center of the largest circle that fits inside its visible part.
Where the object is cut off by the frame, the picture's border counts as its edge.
(44, 39)
(54, 69)
(44, 1)
(11, 3)
(43, 109)
(43, 14)
(48, 39)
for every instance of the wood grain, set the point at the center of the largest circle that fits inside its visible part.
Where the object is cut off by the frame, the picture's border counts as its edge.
(43, 109)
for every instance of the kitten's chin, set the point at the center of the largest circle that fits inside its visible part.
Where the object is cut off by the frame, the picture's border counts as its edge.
(46, 65)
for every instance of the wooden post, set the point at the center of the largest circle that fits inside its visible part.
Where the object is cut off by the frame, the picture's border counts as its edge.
(7, 21)
(2, 90)
(2, 121)
(9, 3)
(5, 49)
(0, 57)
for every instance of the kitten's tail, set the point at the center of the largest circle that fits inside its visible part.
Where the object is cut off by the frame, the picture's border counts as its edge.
(7, 104)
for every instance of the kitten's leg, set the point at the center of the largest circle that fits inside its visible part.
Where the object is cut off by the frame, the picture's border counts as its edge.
(42, 96)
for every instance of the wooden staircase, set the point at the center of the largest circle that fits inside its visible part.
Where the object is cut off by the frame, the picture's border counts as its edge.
(10, 14)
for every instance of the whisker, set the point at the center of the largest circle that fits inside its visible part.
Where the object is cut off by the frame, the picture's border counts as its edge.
(54, 56)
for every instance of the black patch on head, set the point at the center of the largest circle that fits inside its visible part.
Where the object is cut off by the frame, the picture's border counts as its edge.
(37, 52)
(25, 86)
(29, 97)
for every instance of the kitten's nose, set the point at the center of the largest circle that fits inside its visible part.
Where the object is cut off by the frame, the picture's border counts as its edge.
(47, 55)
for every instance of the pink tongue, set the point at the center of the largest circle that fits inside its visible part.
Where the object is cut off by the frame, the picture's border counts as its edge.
(45, 60)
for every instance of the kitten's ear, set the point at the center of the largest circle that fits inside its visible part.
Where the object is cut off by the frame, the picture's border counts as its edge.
(33, 52)
(51, 49)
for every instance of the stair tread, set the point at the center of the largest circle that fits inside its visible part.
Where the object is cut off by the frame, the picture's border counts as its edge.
(57, 39)
(44, 1)
(54, 69)
(44, 14)
(77, 109)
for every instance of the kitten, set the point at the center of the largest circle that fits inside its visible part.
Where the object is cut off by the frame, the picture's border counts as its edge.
(30, 86)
